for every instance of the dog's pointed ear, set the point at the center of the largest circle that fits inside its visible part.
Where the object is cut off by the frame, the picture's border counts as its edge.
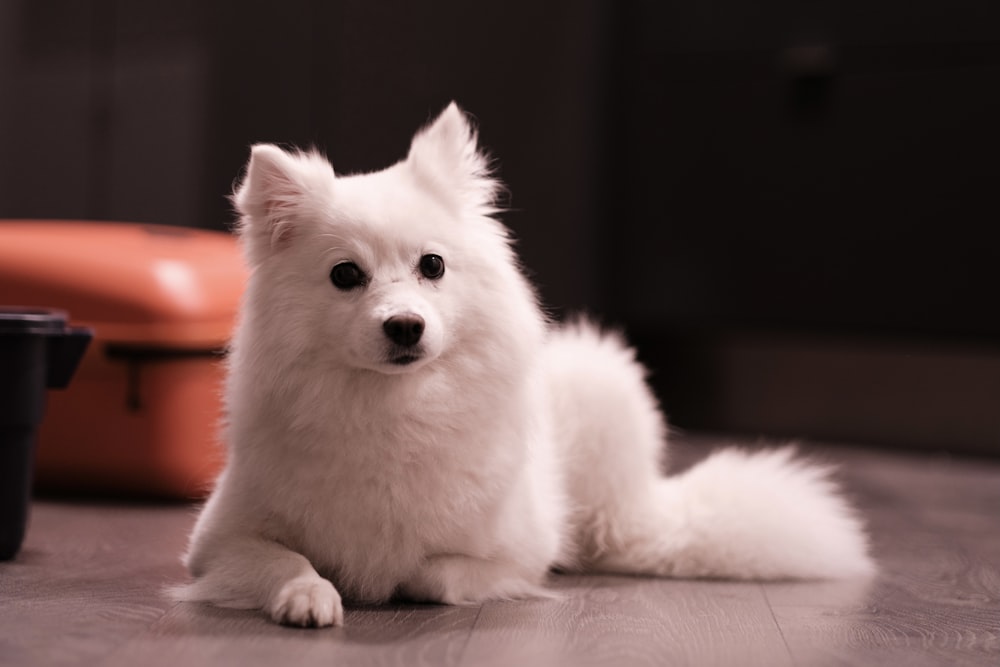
(272, 192)
(446, 153)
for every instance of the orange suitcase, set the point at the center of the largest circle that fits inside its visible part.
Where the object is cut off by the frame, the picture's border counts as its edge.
(142, 413)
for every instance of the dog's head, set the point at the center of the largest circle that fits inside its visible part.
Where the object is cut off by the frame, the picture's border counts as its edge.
(379, 271)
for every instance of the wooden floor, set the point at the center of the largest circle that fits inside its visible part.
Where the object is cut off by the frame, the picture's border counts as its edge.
(86, 590)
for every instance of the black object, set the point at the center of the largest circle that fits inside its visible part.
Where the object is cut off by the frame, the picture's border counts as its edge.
(38, 351)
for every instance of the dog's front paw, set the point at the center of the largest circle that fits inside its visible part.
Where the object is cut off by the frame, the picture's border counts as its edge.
(309, 602)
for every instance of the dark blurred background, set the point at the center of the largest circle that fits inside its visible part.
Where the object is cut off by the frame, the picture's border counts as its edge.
(791, 206)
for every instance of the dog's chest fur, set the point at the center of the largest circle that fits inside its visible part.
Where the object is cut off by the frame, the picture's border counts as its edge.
(367, 497)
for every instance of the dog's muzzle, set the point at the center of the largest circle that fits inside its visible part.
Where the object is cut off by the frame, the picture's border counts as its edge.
(405, 332)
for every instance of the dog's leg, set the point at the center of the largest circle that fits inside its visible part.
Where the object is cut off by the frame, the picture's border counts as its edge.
(255, 573)
(459, 579)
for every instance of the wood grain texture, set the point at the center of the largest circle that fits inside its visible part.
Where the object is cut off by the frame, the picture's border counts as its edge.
(87, 590)
(87, 577)
(632, 621)
(935, 524)
(397, 635)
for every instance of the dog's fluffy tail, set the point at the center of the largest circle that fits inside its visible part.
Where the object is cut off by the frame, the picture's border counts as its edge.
(740, 515)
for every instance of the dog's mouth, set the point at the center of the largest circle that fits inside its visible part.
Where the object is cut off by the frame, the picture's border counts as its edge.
(404, 359)
(404, 355)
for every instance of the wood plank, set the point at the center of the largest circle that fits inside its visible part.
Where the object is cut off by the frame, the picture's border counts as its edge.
(192, 634)
(87, 579)
(935, 525)
(631, 621)
(888, 625)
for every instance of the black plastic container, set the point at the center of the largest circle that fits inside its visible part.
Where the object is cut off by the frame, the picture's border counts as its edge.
(38, 351)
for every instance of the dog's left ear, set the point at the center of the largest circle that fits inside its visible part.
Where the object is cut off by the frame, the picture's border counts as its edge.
(447, 154)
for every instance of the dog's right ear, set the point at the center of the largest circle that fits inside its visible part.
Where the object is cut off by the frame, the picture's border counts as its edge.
(270, 198)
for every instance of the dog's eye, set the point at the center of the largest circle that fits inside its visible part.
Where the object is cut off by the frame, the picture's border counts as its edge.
(432, 266)
(347, 275)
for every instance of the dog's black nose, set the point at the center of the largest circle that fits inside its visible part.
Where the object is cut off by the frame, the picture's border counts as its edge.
(404, 330)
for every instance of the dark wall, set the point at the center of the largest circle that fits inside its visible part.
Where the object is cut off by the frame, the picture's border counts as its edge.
(764, 194)
(820, 165)
(807, 236)
(146, 111)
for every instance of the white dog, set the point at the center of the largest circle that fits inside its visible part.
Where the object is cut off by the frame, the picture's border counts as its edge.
(403, 421)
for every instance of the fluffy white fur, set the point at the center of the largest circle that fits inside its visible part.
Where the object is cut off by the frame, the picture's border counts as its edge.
(505, 447)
